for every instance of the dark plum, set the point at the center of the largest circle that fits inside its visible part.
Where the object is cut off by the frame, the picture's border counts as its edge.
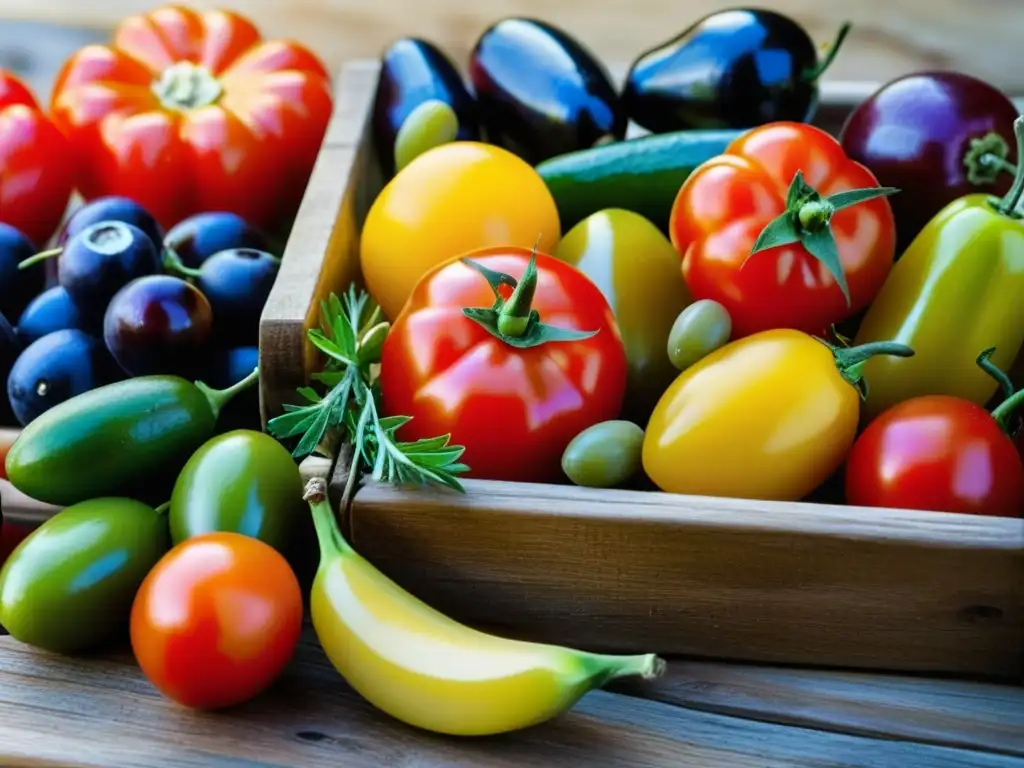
(10, 348)
(197, 238)
(17, 286)
(737, 68)
(413, 71)
(540, 93)
(237, 283)
(159, 324)
(228, 368)
(56, 368)
(52, 310)
(926, 134)
(98, 261)
(111, 208)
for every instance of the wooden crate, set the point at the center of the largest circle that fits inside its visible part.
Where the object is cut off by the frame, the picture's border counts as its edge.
(638, 571)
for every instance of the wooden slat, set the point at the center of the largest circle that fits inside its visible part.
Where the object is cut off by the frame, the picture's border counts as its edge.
(640, 571)
(57, 711)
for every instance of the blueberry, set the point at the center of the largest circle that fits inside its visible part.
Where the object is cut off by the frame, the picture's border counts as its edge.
(237, 282)
(229, 367)
(17, 286)
(56, 368)
(10, 348)
(52, 310)
(198, 237)
(102, 259)
(112, 208)
(159, 325)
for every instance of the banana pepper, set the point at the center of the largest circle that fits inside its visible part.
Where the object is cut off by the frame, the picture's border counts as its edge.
(958, 288)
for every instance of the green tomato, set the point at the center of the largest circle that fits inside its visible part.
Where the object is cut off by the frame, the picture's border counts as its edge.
(604, 455)
(700, 329)
(639, 273)
(69, 586)
(243, 482)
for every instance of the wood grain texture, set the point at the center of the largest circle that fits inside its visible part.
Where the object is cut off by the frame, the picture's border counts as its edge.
(641, 571)
(890, 37)
(57, 711)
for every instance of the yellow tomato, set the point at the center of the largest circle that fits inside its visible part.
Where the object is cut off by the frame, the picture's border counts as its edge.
(769, 416)
(450, 200)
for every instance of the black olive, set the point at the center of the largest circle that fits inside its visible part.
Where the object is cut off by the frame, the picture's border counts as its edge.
(733, 69)
(414, 71)
(540, 93)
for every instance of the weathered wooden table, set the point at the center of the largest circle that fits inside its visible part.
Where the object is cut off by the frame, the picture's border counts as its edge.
(58, 711)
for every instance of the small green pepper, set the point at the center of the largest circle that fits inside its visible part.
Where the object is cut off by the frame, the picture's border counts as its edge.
(113, 440)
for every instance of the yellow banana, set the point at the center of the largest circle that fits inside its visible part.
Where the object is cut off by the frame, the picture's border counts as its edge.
(426, 669)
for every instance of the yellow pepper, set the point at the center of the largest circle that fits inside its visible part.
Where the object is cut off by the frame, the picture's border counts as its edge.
(957, 289)
(768, 416)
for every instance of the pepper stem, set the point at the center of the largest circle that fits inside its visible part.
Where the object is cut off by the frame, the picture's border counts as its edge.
(41, 256)
(1008, 205)
(328, 535)
(851, 360)
(1005, 410)
(218, 398)
(163, 508)
(817, 71)
(985, 159)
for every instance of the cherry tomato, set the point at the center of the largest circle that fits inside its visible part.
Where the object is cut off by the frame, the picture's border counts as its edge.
(35, 162)
(188, 111)
(515, 408)
(451, 200)
(11, 536)
(217, 620)
(937, 453)
(724, 206)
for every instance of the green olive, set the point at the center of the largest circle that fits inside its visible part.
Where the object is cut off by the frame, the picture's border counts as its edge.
(429, 125)
(604, 455)
(700, 329)
(69, 586)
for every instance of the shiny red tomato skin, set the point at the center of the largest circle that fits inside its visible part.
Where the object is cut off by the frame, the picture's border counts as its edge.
(514, 410)
(217, 620)
(36, 166)
(249, 152)
(936, 453)
(722, 207)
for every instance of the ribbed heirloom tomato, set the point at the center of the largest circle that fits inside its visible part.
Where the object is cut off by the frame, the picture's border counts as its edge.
(216, 620)
(784, 230)
(35, 183)
(186, 111)
(513, 357)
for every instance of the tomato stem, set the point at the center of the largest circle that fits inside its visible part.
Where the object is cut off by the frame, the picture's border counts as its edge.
(985, 363)
(985, 159)
(41, 256)
(1008, 205)
(163, 508)
(817, 71)
(514, 320)
(185, 85)
(328, 535)
(851, 360)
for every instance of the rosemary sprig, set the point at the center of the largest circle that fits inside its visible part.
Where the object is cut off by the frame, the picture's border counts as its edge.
(351, 335)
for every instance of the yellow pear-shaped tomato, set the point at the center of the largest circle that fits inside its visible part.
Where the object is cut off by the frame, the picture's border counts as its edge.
(638, 271)
(769, 416)
(451, 199)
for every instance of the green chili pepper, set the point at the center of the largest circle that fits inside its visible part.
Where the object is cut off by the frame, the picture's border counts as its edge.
(114, 440)
(957, 289)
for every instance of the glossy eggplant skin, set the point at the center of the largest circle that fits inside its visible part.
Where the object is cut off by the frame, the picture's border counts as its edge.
(413, 71)
(732, 69)
(914, 134)
(540, 93)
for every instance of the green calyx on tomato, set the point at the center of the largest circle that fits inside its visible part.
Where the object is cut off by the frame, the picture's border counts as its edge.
(185, 85)
(513, 320)
(850, 360)
(806, 221)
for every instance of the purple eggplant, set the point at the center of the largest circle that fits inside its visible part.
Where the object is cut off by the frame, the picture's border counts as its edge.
(936, 136)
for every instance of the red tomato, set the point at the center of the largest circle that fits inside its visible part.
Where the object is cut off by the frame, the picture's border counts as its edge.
(216, 620)
(937, 453)
(11, 536)
(725, 204)
(36, 177)
(188, 111)
(514, 409)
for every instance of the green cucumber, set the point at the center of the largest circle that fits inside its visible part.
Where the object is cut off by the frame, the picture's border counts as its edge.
(642, 175)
